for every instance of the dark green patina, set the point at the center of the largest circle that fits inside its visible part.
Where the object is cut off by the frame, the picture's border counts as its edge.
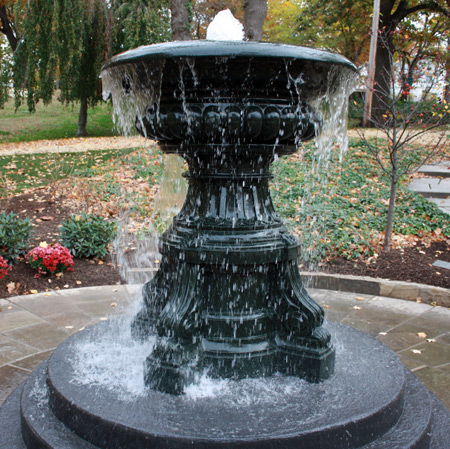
(228, 296)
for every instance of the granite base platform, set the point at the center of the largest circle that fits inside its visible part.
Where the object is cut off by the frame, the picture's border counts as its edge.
(371, 402)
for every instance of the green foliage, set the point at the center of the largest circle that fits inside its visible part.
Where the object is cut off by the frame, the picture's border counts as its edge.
(139, 22)
(88, 235)
(342, 26)
(68, 36)
(5, 72)
(14, 236)
(340, 210)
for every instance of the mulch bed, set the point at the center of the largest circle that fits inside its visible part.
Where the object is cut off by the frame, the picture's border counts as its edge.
(47, 213)
(412, 264)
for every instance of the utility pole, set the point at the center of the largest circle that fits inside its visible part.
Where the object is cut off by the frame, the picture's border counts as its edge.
(371, 69)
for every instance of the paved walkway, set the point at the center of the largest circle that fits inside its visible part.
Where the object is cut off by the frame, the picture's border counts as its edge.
(32, 326)
(72, 145)
(435, 185)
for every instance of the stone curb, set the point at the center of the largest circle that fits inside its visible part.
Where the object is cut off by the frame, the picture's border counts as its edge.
(378, 287)
(327, 281)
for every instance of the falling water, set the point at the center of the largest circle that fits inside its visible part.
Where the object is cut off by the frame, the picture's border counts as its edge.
(132, 100)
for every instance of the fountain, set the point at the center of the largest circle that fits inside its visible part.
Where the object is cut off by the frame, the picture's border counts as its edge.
(227, 303)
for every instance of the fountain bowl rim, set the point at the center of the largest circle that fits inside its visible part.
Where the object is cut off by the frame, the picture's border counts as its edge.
(226, 49)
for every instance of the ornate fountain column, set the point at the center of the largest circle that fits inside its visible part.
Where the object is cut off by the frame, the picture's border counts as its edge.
(228, 297)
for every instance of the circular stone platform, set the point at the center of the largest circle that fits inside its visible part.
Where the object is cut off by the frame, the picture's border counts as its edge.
(372, 401)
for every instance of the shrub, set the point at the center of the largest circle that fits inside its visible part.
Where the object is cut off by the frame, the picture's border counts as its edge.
(88, 235)
(14, 236)
(50, 259)
(4, 267)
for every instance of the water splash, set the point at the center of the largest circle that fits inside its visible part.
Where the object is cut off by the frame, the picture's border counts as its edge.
(113, 359)
(333, 108)
(133, 88)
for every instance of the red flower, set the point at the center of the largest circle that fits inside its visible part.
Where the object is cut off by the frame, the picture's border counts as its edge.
(4, 267)
(51, 259)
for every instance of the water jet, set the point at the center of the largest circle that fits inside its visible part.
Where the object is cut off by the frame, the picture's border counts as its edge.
(228, 301)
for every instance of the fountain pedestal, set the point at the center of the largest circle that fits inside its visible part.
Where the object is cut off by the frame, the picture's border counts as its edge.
(228, 297)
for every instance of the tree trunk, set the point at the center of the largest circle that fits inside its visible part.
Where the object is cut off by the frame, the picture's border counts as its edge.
(6, 28)
(180, 21)
(447, 77)
(383, 75)
(390, 214)
(82, 118)
(255, 12)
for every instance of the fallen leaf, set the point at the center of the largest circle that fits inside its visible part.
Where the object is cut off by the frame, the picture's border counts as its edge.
(11, 286)
(326, 306)
(66, 286)
(78, 282)
(382, 333)
(115, 289)
(43, 244)
(359, 298)
(422, 335)
(58, 275)
(103, 318)
(416, 351)
(113, 304)
(100, 262)
(357, 307)
(33, 291)
(47, 218)
(69, 327)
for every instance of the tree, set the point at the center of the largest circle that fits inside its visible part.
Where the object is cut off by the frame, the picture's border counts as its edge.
(404, 125)
(344, 26)
(392, 15)
(181, 18)
(63, 45)
(281, 22)
(255, 12)
(139, 22)
(7, 23)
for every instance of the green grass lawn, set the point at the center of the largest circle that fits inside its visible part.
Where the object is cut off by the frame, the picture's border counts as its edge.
(53, 121)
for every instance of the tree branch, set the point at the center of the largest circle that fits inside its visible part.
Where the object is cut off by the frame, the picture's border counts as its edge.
(6, 28)
(427, 6)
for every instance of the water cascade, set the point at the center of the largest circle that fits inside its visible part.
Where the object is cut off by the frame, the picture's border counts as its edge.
(228, 349)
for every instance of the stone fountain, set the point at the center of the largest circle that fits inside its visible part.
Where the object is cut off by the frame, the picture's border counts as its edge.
(228, 301)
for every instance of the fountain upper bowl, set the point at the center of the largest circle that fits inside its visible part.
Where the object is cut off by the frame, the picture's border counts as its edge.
(228, 49)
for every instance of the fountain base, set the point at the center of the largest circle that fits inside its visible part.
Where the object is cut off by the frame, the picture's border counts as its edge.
(371, 402)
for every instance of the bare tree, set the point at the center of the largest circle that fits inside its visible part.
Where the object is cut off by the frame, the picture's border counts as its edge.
(405, 126)
(255, 12)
